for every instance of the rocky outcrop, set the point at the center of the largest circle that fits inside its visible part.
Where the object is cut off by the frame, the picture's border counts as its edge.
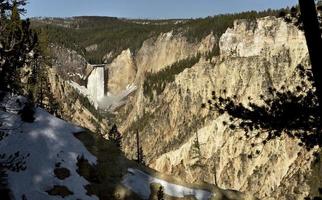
(72, 106)
(266, 37)
(254, 56)
(91, 48)
(121, 72)
(129, 68)
(70, 65)
(168, 48)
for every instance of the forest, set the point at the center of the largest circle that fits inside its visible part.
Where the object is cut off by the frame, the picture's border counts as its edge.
(113, 35)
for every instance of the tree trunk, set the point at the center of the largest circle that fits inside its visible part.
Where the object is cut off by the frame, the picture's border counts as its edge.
(314, 43)
(138, 146)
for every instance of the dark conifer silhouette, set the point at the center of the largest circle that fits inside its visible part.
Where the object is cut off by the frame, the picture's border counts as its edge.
(295, 113)
(28, 111)
(115, 136)
(195, 148)
(4, 191)
(16, 43)
(160, 193)
(314, 42)
(140, 154)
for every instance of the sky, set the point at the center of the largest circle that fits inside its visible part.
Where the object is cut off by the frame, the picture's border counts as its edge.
(151, 9)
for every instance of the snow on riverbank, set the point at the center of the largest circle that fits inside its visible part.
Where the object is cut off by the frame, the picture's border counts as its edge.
(42, 145)
(139, 182)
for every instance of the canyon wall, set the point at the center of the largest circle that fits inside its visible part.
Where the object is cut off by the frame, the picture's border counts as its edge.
(254, 56)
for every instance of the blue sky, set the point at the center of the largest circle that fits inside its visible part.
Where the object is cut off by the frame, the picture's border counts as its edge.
(147, 8)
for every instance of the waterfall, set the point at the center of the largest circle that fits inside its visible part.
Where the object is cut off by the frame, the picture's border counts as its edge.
(96, 90)
(96, 84)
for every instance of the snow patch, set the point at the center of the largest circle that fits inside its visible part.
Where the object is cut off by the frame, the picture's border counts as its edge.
(139, 182)
(47, 141)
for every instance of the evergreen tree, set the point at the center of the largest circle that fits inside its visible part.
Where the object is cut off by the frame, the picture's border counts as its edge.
(28, 111)
(98, 129)
(160, 194)
(16, 45)
(115, 136)
(53, 105)
(195, 148)
(141, 159)
(17, 42)
(140, 154)
(39, 82)
(4, 191)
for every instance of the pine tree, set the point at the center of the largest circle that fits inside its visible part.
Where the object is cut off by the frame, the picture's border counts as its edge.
(39, 81)
(160, 193)
(115, 136)
(195, 148)
(53, 105)
(141, 159)
(140, 155)
(17, 41)
(28, 111)
(15, 24)
(4, 191)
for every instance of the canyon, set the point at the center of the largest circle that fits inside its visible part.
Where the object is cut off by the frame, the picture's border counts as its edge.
(254, 55)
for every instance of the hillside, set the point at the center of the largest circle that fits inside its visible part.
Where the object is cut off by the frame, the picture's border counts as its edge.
(101, 39)
(226, 107)
(173, 81)
(183, 86)
(53, 159)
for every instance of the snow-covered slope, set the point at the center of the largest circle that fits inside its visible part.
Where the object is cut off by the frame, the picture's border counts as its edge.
(44, 163)
(44, 145)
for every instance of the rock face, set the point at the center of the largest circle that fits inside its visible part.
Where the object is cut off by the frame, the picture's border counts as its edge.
(70, 65)
(70, 105)
(266, 37)
(121, 72)
(254, 56)
(127, 68)
(168, 48)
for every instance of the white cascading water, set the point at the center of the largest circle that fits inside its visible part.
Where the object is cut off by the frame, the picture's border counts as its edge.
(96, 83)
(95, 91)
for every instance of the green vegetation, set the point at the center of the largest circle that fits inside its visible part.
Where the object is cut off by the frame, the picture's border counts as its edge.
(195, 148)
(115, 136)
(85, 102)
(158, 81)
(17, 41)
(105, 177)
(114, 35)
(197, 29)
(111, 35)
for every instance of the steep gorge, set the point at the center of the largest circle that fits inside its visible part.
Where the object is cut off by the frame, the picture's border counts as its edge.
(254, 56)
